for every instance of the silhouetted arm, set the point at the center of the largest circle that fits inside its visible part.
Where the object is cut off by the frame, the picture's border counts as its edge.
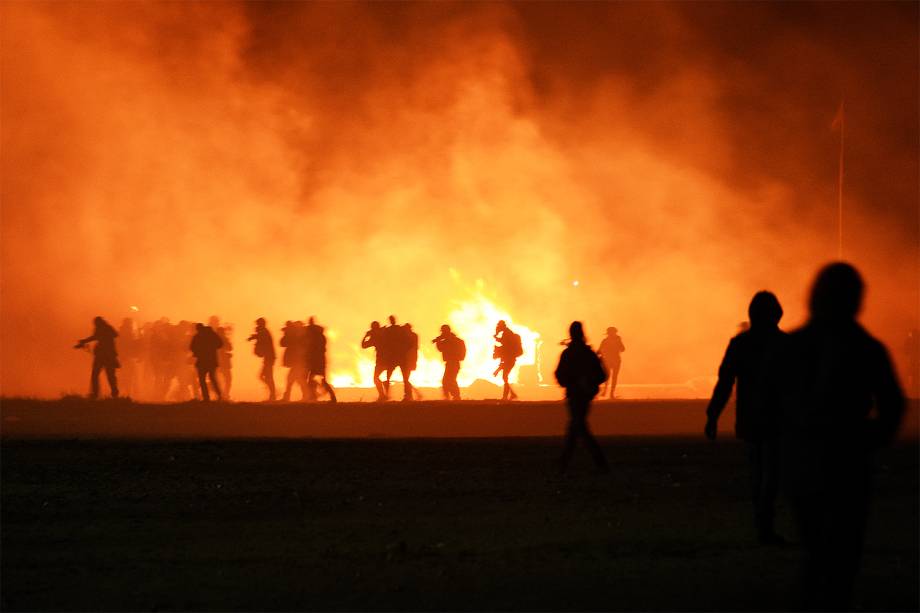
(728, 370)
(889, 399)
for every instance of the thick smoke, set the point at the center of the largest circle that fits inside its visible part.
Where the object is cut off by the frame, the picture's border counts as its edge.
(339, 159)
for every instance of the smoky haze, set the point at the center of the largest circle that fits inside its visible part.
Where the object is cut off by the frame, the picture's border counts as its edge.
(341, 159)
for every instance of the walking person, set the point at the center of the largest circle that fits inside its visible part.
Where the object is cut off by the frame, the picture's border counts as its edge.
(580, 372)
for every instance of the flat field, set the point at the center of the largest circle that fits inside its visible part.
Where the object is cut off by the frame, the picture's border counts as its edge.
(385, 524)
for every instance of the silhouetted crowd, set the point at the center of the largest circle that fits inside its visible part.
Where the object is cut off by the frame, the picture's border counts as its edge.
(811, 406)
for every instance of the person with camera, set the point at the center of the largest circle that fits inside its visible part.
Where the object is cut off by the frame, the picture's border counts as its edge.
(453, 350)
(104, 356)
(507, 351)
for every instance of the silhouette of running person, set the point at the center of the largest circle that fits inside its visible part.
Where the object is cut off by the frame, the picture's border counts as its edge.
(204, 346)
(105, 357)
(611, 348)
(580, 372)
(507, 352)
(838, 374)
(453, 351)
(265, 349)
(409, 361)
(758, 410)
(374, 338)
(316, 360)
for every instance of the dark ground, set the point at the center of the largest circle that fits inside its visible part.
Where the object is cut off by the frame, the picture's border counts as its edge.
(412, 524)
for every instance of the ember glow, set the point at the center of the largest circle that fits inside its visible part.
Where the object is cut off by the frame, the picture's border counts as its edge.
(647, 166)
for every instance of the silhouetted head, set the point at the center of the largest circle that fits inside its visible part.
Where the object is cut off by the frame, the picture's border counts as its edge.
(577, 332)
(97, 320)
(445, 329)
(199, 327)
(611, 331)
(501, 325)
(260, 322)
(312, 320)
(836, 294)
(408, 326)
(764, 310)
(375, 325)
(214, 321)
(392, 319)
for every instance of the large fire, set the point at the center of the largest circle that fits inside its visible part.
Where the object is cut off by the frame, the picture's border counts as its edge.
(473, 319)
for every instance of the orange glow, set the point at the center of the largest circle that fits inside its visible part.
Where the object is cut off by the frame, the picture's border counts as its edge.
(618, 163)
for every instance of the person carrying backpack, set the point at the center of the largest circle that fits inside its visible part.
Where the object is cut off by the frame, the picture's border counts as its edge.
(453, 350)
(507, 352)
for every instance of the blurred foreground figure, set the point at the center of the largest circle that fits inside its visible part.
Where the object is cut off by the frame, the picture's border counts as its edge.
(374, 338)
(315, 341)
(610, 350)
(265, 349)
(581, 373)
(453, 350)
(758, 413)
(508, 350)
(224, 355)
(839, 373)
(204, 347)
(104, 356)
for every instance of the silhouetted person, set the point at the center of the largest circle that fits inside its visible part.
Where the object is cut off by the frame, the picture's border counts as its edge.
(580, 372)
(105, 357)
(204, 346)
(758, 409)
(409, 362)
(224, 355)
(374, 338)
(507, 351)
(316, 360)
(453, 350)
(610, 350)
(838, 374)
(293, 339)
(265, 349)
(392, 348)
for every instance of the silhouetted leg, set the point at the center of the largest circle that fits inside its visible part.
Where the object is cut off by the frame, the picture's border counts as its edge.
(212, 374)
(381, 390)
(268, 376)
(203, 384)
(614, 373)
(94, 380)
(445, 382)
(451, 369)
(289, 385)
(228, 381)
(407, 385)
(329, 390)
(113, 381)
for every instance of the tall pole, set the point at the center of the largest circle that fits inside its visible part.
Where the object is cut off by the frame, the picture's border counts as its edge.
(840, 190)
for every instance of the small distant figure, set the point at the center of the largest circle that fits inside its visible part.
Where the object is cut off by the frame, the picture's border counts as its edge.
(838, 373)
(508, 350)
(758, 412)
(265, 349)
(374, 338)
(204, 346)
(293, 339)
(224, 355)
(316, 360)
(453, 351)
(912, 358)
(611, 348)
(580, 372)
(105, 357)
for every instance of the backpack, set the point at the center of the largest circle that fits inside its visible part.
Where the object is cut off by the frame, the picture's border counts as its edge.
(512, 342)
(461, 349)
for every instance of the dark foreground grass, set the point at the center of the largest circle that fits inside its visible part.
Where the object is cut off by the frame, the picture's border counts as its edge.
(412, 524)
